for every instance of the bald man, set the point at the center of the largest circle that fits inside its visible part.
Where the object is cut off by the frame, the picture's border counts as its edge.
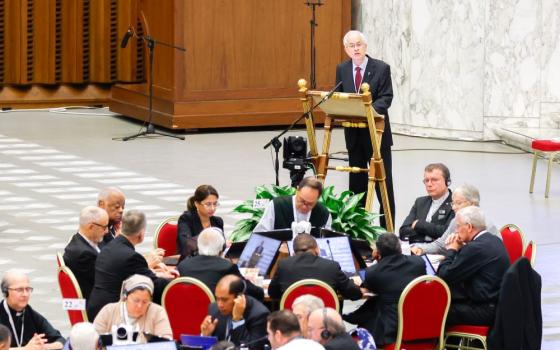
(112, 200)
(82, 250)
(27, 327)
(326, 327)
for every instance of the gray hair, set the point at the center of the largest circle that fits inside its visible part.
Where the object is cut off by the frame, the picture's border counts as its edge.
(310, 302)
(210, 242)
(83, 336)
(346, 37)
(90, 214)
(133, 222)
(469, 192)
(105, 193)
(474, 216)
(9, 276)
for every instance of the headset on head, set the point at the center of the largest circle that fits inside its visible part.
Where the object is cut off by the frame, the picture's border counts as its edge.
(325, 333)
(5, 289)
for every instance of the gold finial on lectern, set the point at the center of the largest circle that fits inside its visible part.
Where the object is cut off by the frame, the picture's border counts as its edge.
(302, 83)
(365, 88)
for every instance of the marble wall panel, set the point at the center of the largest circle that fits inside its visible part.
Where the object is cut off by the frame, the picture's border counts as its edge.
(550, 59)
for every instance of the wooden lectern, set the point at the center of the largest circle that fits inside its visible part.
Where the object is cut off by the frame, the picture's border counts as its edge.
(350, 111)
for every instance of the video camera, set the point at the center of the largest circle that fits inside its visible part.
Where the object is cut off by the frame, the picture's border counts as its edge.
(123, 334)
(296, 158)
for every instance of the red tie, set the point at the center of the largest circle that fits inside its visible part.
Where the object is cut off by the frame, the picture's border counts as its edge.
(358, 80)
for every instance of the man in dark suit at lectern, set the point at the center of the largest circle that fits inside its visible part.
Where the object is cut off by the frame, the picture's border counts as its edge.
(352, 73)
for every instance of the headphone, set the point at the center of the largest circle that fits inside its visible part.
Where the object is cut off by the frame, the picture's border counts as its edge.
(5, 288)
(325, 333)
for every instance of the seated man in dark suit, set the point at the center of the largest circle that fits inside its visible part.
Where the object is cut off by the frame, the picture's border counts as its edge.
(112, 200)
(209, 267)
(387, 279)
(235, 316)
(279, 213)
(118, 260)
(474, 266)
(430, 215)
(82, 250)
(308, 264)
(326, 327)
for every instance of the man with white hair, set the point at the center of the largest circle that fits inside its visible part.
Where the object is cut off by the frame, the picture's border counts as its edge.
(474, 266)
(83, 336)
(303, 306)
(82, 250)
(326, 327)
(209, 267)
(112, 200)
(361, 68)
(28, 328)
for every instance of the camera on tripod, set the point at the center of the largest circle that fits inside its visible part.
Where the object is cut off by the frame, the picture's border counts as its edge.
(296, 158)
(123, 334)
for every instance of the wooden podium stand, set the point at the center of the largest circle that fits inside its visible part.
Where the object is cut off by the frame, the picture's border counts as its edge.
(241, 61)
(351, 111)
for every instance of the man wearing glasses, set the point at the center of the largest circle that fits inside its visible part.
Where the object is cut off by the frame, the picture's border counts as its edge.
(361, 68)
(27, 327)
(430, 215)
(303, 208)
(82, 250)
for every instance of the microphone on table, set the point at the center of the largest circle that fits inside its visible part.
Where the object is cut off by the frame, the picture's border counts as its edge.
(126, 37)
(254, 341)
(330, 250)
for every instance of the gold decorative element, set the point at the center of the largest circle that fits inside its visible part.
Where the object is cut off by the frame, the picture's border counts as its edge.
(365, 88)
(354, 125)
(340, 96)
(302, 84)
(349, 169)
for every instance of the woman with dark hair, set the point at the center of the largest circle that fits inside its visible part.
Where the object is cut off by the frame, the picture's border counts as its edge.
(199, 215)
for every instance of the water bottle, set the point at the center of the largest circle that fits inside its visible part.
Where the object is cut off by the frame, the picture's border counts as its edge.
(405, 246)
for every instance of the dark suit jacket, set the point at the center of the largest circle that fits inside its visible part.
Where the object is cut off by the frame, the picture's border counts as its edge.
(189, 226)
(254, 328)
(210, 269)
(342, 342)
(378, 76)
(387, 279)
(80, 257)
(440, 220)
(307, 265)
(518, 322)
(117, 261)
(475, 272)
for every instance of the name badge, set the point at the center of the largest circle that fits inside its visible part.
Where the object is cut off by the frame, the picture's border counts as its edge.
(73, 304)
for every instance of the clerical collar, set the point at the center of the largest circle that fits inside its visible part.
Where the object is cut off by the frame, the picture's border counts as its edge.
(14, 312)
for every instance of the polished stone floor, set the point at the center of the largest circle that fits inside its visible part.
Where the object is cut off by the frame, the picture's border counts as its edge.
(52, 164)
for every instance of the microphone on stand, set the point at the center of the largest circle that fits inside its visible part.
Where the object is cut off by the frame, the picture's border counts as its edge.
(254, 341)
(126, 37)
(331, 92)
(330, 250)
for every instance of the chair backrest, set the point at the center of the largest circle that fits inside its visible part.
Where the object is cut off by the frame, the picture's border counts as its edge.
(419, 319)
(60, 259)
(70, 289)
(165, 236)
(531, 252)
(310, 286)
(513, 239)
(186, 301)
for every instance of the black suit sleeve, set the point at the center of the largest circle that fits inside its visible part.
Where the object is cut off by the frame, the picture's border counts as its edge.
(346, 286)
(384, 94)
(275, 288)
(434, 230)
(406, 229)
(184, 231)
(253, 329)
(252, 290)
(460, 266)
(43, 326)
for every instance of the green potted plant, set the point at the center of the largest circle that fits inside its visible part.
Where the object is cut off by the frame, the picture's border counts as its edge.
(347, 215)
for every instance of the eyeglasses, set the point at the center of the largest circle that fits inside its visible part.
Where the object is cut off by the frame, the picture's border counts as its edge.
(21, 290)
(103, 226)
(209, 205)
(303, 202)
(354, 45)
(427, 180)
(458, 203)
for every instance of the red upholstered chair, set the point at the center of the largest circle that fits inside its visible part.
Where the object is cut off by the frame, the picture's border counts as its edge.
(421, 323)
(166, 236)
(545, 148)
(70, 289)
(186, 301)
(467, 334)
(513, 239)
(60, 259)
(531, 252)
(310, 286)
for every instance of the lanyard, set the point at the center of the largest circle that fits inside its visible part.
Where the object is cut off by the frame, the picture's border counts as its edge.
(20, 340)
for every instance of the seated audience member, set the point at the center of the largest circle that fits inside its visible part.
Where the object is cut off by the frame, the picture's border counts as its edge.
(279, 213)
(284, 333)
(82, 250)
(386, 279)
(303, 306)
(326, 327)
(308, 264)
(112, 200)
(209, 267)
(473, 268)
(234, 316)
(83, 336)
(118, 260)
(136, 309)
(430, 215)
(201, 208)
(463, 196)
(28, 328)
(5, 339)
